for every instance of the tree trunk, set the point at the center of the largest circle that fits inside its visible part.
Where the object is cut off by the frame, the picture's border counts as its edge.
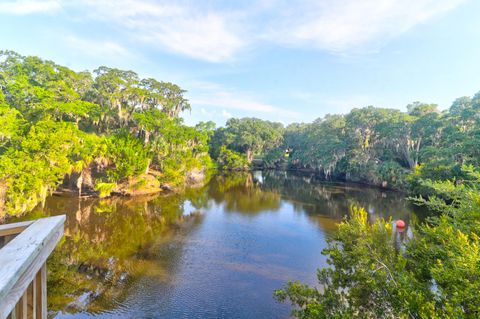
(3, 197)
(79, 185)
(148, 166)
(119, 112)
(417, 151)
(249, 180)
(249, 156)
(147, 137)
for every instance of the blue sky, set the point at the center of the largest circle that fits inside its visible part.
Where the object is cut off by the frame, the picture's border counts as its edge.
(287, 61)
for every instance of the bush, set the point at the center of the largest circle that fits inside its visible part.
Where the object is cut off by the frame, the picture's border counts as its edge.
(394, 174)
(104, 189)
(276, 158)
(230, 160)
(128, 155)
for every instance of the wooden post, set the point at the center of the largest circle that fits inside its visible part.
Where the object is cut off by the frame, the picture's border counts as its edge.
(30, 300)
(42, 293)
(21, 307)
(23, 271)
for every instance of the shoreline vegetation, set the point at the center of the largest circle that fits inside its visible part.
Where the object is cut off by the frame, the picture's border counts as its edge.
(111, 132)
(106, 132)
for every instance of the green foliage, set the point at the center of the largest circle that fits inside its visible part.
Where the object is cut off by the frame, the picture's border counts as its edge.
(393, 174)
(181, 150)
(104, 189)
(276, 158)
(34, 167)
(11, 126)
(230, 160)
(54, 121)
(368, 277)
(128, 156)
(250, 136)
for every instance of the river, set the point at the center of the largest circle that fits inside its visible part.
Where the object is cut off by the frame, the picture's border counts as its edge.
(217, 251)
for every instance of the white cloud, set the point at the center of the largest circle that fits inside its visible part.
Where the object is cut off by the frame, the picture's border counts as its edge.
(187, 30)
(344, 25)
(24, 7)
(215, 32)
(96, 48)
(205, 38)
(226, 114)
(211, 94)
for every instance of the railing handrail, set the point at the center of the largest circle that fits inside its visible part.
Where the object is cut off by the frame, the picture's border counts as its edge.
(14, 228)
(23, 257)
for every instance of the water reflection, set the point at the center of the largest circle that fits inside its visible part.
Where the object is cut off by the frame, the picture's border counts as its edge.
(242, 193)
(334, 199)
(214, 251)
(108, 245)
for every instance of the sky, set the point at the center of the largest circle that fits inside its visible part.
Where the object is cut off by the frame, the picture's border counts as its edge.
(279, 60)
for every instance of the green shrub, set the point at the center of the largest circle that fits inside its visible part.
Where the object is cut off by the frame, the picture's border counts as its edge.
(230, 160)
(104, 189)
(128, 156)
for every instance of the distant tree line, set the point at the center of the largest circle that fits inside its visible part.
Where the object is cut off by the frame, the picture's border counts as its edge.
(379, 146)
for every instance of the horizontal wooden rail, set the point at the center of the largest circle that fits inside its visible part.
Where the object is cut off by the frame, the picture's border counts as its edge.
(22, 267)
(10, 231)
(13, 229)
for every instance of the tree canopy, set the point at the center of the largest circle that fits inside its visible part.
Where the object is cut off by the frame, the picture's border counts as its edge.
(55, 122)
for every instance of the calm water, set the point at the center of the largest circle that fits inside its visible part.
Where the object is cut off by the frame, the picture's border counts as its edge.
(213, 252)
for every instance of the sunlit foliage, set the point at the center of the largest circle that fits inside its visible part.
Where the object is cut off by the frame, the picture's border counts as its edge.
(55, 122)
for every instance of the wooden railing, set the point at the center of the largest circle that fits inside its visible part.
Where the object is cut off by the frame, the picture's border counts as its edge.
(24, 249)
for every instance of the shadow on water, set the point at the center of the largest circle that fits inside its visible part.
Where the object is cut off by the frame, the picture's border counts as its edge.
(214, 251)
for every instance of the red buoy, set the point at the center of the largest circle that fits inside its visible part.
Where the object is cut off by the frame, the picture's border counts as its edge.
(400, 223)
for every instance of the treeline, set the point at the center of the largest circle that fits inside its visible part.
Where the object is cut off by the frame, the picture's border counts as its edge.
(380, 146)
(93, 131)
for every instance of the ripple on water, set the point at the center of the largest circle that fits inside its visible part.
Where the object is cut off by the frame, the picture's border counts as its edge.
(214, 252)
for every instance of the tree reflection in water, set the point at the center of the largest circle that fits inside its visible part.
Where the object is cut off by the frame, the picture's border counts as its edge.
(110, 244)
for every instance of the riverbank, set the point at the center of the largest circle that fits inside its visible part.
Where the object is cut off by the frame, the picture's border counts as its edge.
(87, 184)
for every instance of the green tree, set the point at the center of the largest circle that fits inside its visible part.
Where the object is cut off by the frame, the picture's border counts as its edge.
(56, 123)
(250, 136)
(231, 160)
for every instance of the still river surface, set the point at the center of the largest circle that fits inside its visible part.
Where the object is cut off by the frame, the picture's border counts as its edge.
(218, 251)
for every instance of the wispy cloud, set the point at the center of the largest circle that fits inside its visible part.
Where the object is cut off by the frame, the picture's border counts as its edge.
(341, 26)
(215, 32)
(208, 35)
(226, 114)
(24, 7)
(96, 48)
(210, 94)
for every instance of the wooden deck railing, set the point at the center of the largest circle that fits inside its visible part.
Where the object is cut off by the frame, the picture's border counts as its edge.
(24, 249)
